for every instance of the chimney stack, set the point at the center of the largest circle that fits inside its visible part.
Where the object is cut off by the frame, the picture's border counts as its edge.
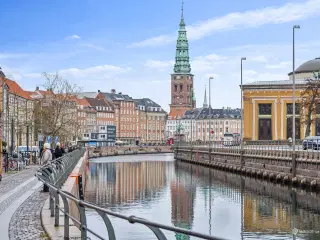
(113, 91)
(37, 88)
(98, 91)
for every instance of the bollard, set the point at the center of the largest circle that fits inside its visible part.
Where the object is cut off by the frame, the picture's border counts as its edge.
(80, 184)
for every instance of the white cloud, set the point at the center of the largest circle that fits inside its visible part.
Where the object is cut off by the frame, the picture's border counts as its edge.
(72, 37)
(205, 63)
(248, 19)
(280, 65)
(257, 59)
(160, 65)
(103, 71)
(154, 41)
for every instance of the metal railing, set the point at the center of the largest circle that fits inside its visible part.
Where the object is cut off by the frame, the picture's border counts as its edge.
(61, 168)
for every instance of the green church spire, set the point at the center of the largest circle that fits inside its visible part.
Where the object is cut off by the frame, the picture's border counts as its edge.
(182, 64)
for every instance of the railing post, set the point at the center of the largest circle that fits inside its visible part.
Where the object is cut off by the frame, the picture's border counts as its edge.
(80, 186)
(294, 165)
(51, 203)
(56, 212)
(66, 217)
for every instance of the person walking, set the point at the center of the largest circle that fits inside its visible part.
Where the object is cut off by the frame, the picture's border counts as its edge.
(58, 151)
(46, 159)
(46, 156)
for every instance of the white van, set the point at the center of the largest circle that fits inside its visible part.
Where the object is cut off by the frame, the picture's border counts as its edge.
(231, 139)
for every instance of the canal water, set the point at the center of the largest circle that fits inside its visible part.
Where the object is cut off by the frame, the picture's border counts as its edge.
(226, 205)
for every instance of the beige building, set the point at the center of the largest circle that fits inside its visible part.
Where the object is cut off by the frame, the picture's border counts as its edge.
(17, 115)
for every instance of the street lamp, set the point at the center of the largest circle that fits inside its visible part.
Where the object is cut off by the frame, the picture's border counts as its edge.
(293, 105)
(241, 121)
(210, 78)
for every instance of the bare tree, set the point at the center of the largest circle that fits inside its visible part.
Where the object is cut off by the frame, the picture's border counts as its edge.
(310, 99)
(57, 111)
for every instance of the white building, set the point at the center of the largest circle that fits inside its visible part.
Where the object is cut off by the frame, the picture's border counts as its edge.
(195, 124)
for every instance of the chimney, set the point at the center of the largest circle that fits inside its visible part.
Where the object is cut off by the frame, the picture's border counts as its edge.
(98, 91)
(120, 93)
(113, 91)
(37, 88)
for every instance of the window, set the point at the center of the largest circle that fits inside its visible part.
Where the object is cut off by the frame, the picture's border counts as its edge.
(181, 87)
(175, 88)
(265, 109)
(227, 129)
(290, 108)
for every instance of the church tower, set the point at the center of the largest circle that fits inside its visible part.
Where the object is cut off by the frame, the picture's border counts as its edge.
(182, 89)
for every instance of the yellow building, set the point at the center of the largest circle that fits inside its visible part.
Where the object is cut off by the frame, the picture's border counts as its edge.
(267, 106)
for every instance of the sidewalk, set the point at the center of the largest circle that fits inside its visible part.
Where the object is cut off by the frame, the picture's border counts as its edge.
(20, 205)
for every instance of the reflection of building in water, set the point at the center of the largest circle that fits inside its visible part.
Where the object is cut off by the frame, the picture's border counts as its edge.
(123, 182)
(263, 215)
(183, 194)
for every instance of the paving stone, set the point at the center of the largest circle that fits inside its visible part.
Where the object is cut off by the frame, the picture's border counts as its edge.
(26, 222)
(9, 182)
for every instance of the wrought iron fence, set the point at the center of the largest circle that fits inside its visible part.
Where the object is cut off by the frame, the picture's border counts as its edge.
(55, 174)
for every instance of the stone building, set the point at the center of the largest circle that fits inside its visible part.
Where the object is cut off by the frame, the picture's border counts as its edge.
(152, 120)
(268, 106)
(195, 124)
(104, 117)
(87, 119)
(17, 115)
(140, 120)
(126, 115)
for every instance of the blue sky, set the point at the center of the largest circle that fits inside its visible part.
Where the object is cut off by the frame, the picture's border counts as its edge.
(130, 45)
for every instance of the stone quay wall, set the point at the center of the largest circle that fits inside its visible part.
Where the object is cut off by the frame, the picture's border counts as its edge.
(273, 165)
(122, 150)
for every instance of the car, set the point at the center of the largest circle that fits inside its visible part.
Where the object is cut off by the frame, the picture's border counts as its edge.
(311, 142)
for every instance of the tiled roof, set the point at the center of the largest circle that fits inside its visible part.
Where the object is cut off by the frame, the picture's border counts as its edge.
(95, 102)
(15, 89)
(82, 102)
(204, 113)
(116, 96)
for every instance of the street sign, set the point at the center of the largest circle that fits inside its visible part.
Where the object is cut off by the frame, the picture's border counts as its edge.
(111, 133)
(49, 139)
(212, 132)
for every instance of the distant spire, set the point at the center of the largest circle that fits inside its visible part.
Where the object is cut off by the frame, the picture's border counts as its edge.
(182, 10)
(205, 102)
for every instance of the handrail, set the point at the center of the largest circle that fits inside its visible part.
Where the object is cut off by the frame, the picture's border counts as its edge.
(59, 175)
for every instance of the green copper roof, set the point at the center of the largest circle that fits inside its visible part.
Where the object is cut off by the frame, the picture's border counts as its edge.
(182, 64)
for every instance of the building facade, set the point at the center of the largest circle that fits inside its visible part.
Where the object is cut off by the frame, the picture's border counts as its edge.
(194, 125)
(268, 106)
(17, 115)
(152, 120)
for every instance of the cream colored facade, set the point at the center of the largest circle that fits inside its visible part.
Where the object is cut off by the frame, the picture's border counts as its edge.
(267, 106)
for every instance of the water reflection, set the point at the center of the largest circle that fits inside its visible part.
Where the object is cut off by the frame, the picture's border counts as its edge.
(197, 198)
(122, 183)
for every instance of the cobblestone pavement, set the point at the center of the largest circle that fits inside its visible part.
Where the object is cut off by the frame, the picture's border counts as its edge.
(10, 181)
(25, 221)
(25, 224)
